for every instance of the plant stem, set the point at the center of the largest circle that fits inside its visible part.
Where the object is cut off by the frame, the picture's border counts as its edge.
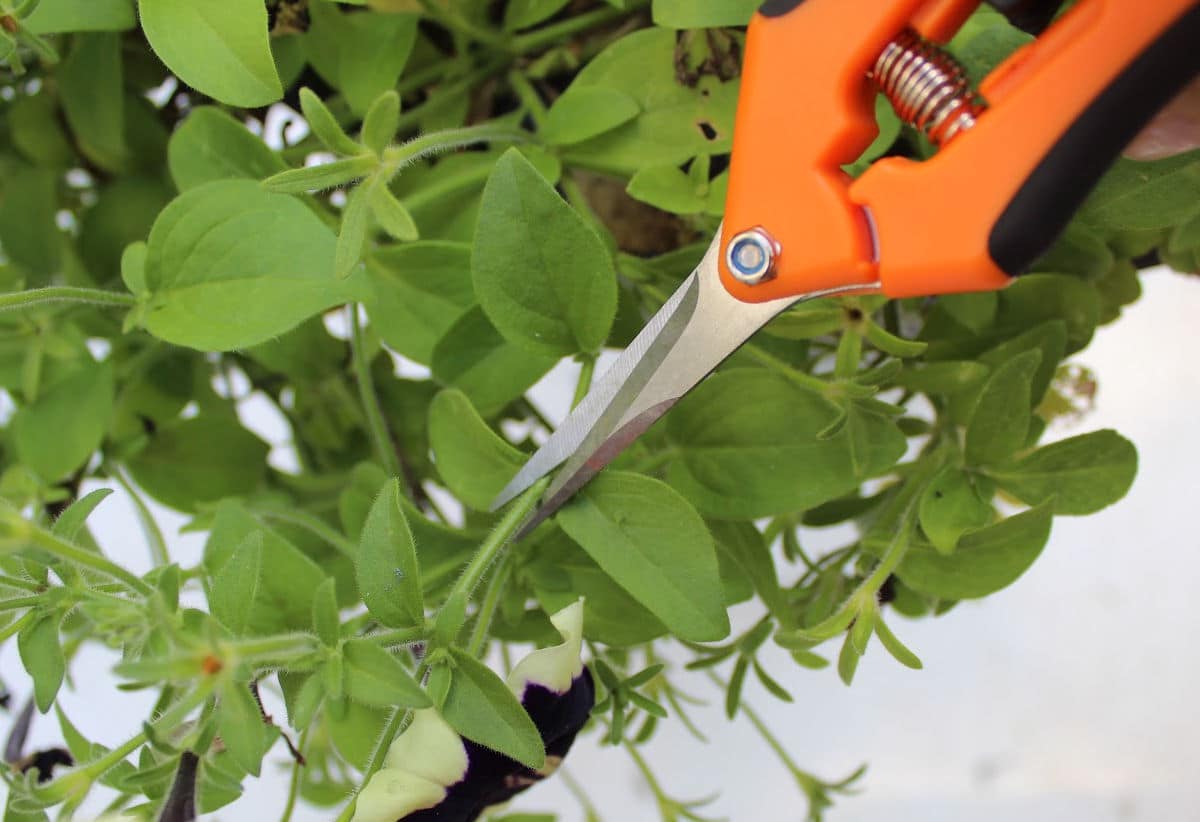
(294, 785)
(398, 636)
(154, 535)
(549, 35)
(79, 556)
(381, 439)
(496, 541)
(65, 294)
(457, 23)
(487, 609)
(281, 648)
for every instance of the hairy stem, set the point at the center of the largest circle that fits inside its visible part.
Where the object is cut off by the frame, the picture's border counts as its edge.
(381, 438)
(65, 294)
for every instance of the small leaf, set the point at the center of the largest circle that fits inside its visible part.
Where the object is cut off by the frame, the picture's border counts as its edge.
(986, 560)
(950, 507)
(654, 545)
(891, 344)
(382, 120)
(773, 687)
(483, 709)
(473, 461)
(521, 14)
(1079, 475)
(211, 145)
(895, 647)
(420, 291)
(326, 622)
(848, 660)
(1000, 420)
(219, 47)
(389, 578)
(42, 655)
(240, 724)
(391, 214)
(376, 678)
(325, 125)
(541, 273)
(61, 429)
(353, 234)
(587, 113)
(733, 691)
(71, 521)
(703, 14)
(322, 176)
(235, 589)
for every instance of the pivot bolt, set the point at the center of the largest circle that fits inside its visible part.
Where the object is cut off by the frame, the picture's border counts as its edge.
(751, 255)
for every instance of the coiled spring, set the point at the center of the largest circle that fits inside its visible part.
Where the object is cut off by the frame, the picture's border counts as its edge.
(927, 87)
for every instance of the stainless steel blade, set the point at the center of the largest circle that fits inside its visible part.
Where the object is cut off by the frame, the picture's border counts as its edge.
(695, 330)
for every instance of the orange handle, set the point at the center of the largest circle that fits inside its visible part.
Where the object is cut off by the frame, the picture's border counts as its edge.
(988, 203)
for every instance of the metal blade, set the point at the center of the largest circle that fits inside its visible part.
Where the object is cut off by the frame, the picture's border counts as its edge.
(695, 330)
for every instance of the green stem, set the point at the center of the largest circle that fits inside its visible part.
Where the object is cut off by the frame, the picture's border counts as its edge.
(779, 366)
(294, 785)
(588, 363)
(16, 626)
(281, 648)
(65, 294)
(457, 23)
(381, 439)
(398, 636)
(312, 524)
(529, 97)
(549, 35)
(97, 562)
(580, 795)
(154, 535)
(487, 609)
(495, 543)
(23, 584)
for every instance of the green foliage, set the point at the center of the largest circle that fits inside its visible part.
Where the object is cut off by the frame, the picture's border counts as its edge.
(496, 188)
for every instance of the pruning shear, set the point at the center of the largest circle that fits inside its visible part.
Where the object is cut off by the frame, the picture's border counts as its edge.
(1014, 160)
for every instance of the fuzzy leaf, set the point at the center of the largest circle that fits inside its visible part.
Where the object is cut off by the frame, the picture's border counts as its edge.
(389, 578)
(474, 462)
(1079, 475)
(480, 706)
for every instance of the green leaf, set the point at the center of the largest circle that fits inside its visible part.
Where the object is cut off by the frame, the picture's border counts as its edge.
(895, 647)
(240, 724)
(28, 230)
(71, 521)
(702, 14)
(392, 216)
(945, 378)
(202, 459)
(322, 175)
(749, 446)
(382, 120)
(325, 126)
(587, 113)
(744, 546)
(420, 290)
(480, 706)
(808, 319)
(376, 678)
(474, 461)
(58, 16)
(42, 655)
(1077, 476)
(671, 189)
(650, 540)
(210, 145)
(985, 561)
(326, 621)
(950, 507)
(389, 577)
(288, 580)
(361, 54)
(542, 275)
(352, 236)
(678, 120)
(521, 14)
(234, 593)
(228, 249)
(90, 88)
(474, 358)
(219, 47)
(1000, 420)
(63, 427)
(1138, 195)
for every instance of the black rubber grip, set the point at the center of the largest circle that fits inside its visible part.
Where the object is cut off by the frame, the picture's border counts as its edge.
(1031, 16)
(777, 8)
(1061, 182)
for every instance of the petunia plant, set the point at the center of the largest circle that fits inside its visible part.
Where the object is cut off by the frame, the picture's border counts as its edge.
(286, 271)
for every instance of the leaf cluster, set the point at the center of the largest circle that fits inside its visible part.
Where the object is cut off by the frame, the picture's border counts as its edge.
(382, 224)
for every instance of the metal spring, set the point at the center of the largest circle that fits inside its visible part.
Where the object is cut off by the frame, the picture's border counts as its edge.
(926, 86)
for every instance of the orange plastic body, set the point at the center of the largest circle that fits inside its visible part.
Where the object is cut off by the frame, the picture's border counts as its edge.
(806, 108)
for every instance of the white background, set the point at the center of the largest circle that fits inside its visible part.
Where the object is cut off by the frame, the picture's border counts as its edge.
(1068, 696)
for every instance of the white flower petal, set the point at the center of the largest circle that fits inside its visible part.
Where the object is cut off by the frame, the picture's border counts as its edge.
(392, 794)
(554, 667)
(429, 748)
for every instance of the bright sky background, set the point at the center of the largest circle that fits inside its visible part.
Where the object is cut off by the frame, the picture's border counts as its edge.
(1068, 697)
